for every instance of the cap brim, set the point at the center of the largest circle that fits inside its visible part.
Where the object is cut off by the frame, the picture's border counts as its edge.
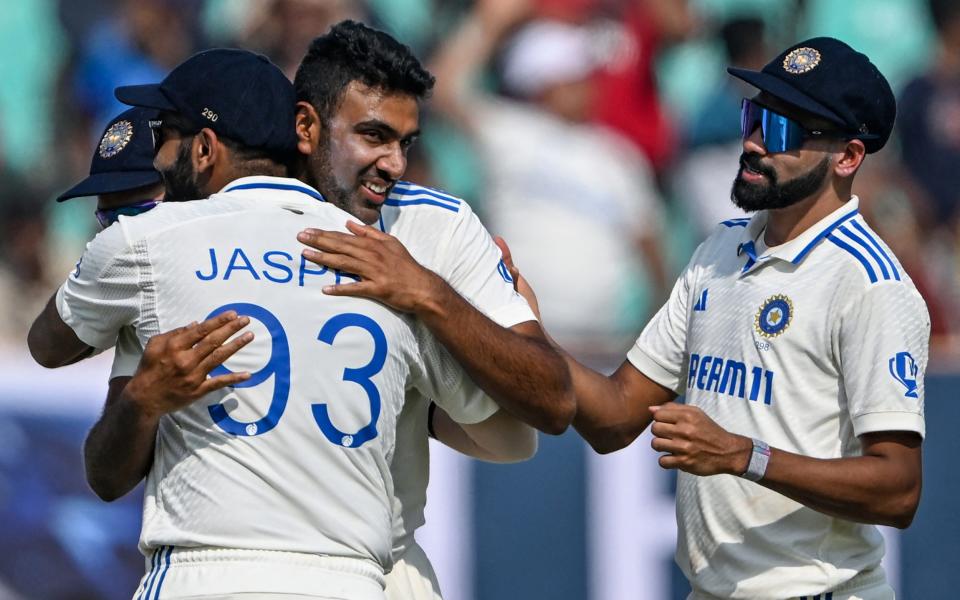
(148, 96)
(108, 183)
(786, 92)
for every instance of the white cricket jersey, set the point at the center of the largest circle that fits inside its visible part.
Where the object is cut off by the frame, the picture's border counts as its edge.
(443, 234)
(805, 346)
(297, 458)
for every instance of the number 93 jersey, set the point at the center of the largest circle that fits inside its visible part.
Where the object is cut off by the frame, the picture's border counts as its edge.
(297, 457)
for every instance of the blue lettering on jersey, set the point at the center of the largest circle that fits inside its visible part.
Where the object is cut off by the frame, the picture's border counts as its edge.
(76, 272)
(727, 376)
(235, 265)
(304, 271)
(277, 267)
(904, 369)
(287, 270)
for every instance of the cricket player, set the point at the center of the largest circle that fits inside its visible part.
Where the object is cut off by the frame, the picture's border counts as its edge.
(358, 112)
(800, 345)
(281, 484)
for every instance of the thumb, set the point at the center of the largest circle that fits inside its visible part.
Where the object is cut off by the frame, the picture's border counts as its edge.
(507, 257)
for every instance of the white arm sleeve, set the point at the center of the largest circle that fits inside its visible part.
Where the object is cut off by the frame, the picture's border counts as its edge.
(884, 344)
(126, 355)
(472, 264)
(661, 350)
(441, 378)
(103, 293)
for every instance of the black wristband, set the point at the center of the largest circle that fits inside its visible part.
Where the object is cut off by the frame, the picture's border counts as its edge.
(432, 409)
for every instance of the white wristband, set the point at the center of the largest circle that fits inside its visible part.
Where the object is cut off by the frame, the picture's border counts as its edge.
(759, 459)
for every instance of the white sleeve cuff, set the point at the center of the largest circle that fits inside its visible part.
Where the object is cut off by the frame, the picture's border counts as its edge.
(889, 421)
(471, 406)
(512, 314)
(652, 369)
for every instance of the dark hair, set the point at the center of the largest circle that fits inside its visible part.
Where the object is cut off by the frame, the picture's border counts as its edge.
(351, 51)
(942, 12)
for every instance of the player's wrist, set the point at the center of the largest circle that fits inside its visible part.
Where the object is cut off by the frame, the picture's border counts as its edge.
(138, 398)
(741, 456)
(759, 459)
(433, 297)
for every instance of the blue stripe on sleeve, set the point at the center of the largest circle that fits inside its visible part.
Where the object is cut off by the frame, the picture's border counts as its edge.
(404, 188)
(873, 240)
(392, 202)
(853, 252)
(868, 248)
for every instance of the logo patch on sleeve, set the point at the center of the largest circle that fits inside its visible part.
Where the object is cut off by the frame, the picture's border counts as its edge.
(904, 369)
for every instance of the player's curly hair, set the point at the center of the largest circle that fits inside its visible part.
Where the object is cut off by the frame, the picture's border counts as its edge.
(351, 51)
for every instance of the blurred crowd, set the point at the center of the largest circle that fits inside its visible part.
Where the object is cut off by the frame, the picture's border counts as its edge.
(599, 137)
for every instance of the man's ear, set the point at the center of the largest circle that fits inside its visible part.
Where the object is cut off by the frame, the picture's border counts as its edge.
(205, 151)
(308, 128)
(851, 158)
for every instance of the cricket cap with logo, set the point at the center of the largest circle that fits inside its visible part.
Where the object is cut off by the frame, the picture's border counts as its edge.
(236, 93)
(123, 159)
(829, 79)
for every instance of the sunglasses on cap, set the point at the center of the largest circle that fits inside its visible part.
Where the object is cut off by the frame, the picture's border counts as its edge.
(157, 127)
(780, 133)
(108, 216)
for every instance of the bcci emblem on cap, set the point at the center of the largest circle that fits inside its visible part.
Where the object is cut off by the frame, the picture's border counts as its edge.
(774, 316)
(116, 138)
(801, 60)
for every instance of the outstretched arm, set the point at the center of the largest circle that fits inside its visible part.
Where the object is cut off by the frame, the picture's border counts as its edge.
(611, 410)
(517, 367)
(118, 451)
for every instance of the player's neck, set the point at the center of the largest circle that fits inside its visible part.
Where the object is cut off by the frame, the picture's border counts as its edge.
(785, 224)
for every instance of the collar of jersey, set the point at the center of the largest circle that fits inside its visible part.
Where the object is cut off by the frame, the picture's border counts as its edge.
(250, 185)
(799, 247)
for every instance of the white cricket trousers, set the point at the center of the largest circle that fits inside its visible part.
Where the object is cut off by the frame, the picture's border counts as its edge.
(869, 585)
(412, 577)
(228, 574)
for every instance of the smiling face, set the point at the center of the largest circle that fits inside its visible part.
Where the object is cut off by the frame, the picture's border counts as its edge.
(363, 149)
(777, 180)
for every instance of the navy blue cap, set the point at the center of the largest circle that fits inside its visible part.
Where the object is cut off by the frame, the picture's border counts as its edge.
(236, 93)
(828, 78)
(124, 158)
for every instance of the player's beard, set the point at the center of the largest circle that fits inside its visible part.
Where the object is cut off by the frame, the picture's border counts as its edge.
(180, 180)
(320, 175)
(773, 194)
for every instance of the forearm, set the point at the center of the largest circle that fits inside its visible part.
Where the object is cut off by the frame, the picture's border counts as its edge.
(118, 451)
(613, 410)
(864, 489)
(500, 438)
(519, 369)
(52, 342)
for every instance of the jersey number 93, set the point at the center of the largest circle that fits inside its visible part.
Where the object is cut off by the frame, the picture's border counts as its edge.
(278, 367)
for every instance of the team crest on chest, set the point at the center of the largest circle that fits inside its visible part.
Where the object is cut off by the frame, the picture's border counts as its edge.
(116, 138)
(801, 60)
(774, 316)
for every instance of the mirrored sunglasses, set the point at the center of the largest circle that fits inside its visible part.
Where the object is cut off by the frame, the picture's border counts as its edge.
(780, 133)
(108, 216)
